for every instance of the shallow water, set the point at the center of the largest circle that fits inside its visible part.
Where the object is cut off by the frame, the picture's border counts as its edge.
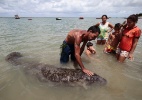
(39, 39)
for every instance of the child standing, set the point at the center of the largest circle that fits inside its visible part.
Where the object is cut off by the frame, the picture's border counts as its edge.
(113, 40)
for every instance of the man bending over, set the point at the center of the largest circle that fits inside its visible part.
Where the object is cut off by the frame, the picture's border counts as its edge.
(71, 45)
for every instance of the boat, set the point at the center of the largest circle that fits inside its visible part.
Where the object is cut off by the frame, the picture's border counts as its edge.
(17, 17)
(29, 19)
(98, 18)
(81, 18)
(58, 19)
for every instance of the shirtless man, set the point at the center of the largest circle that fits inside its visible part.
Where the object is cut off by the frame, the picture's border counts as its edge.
(71, 45)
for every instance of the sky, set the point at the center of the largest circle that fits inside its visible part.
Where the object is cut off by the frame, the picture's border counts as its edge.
(69, 8)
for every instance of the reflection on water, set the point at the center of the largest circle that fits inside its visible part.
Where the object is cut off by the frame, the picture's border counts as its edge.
(40, 40)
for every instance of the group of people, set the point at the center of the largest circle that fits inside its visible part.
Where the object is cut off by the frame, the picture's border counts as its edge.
(122, 41)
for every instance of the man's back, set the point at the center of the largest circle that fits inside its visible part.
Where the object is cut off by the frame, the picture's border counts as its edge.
(74, 34)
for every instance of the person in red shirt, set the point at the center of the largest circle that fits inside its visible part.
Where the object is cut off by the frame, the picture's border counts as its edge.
(130, 35)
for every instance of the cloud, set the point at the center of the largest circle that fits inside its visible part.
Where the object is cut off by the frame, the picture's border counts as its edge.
(69, 8)
(130, 3)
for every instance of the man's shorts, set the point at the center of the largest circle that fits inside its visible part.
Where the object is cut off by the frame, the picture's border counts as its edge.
(67, 49)
(122, 52)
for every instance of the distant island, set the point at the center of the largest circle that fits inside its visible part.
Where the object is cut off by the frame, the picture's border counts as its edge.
(139, 15)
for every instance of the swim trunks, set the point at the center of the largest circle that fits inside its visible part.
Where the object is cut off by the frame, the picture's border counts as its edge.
(66, 50)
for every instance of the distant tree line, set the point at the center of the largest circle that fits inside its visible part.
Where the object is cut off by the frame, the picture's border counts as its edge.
(140, 14)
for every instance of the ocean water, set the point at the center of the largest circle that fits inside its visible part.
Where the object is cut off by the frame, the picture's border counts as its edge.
(39, 40)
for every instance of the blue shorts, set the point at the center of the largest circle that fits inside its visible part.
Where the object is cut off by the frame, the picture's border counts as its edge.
(66, 50)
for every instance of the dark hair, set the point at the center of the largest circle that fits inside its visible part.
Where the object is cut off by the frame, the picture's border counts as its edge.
(117, 25)
(133, 17)
(94, 29)
(105, 16)
(89, 44)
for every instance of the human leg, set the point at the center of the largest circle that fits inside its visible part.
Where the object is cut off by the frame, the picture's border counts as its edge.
(118, 53)
(72, 52)
(121, 58)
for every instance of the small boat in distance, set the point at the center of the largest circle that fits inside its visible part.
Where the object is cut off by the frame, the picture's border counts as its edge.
(58, 19)
(99, 18)
(81, 18)
(17, 17)
(29, 19)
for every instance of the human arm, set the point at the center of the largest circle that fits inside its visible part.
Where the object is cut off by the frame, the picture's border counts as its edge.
(111, 27)
(82, 47)
(78, 58)
(92, 49)
(97, 24)
(121, 31)
(130, 56)
(134, 44)
(109, 40)
(87, 52)
(123, 25)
